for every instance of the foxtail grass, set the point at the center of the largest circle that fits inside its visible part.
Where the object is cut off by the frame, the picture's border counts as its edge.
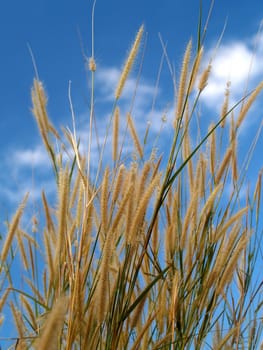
(154, 252)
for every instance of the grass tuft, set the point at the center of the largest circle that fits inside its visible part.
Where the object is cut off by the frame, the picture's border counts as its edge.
(157, 250)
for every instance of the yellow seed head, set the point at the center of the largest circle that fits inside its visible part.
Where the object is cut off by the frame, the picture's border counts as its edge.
(204, 78)
(225, 104)
(224, 165)
(92, 64)
(129, 62)
(183, 79)
(12, 230)
(115, 134)
(247, 106)
(196, 68)
(134, 135)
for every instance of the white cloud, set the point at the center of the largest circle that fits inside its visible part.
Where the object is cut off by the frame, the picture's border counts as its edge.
(237, 62)
(35, 157)
(107, 80)
(232, 62)
(27, 170)
(16, 191)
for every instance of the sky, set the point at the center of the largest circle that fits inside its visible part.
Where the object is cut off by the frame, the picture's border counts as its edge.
(59, 35)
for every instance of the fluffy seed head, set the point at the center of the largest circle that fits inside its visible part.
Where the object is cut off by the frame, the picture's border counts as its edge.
(129, 62)
(92, 64)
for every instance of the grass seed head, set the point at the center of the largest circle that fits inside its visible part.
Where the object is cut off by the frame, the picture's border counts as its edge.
(129, 63)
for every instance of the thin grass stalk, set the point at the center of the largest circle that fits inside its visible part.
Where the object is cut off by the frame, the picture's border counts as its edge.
(92, 97)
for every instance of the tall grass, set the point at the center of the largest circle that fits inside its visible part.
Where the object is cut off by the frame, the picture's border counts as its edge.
(155, 253)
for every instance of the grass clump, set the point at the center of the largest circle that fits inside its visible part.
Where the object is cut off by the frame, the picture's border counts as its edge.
(152, 253)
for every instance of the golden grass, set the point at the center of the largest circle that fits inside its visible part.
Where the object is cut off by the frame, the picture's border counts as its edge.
(134, 135)
(50, 339)
(182, 89)
(115, 134)
(12, 231)
(147, 254)
(129, 62)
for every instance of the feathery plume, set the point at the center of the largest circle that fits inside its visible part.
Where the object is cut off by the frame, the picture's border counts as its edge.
(134, 135)
(104, 200)
(245, 108)
(204, 78)
(196, 68)
(224, 109)
(183, 79)
(50, 337)
(12, 230)
(224, 164)
(92, 64)
(129, 63)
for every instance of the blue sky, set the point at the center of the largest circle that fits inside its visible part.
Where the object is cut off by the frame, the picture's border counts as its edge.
(59, 31)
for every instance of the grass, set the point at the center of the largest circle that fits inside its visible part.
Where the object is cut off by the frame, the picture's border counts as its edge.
(149, 253)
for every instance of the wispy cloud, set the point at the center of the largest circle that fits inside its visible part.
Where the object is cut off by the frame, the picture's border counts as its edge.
(26, 170)
(35, 157)
(107, 79)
